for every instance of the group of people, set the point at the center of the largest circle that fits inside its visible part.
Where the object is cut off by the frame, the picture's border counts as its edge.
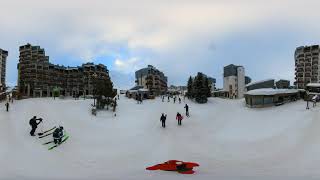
(57, 133)
(179, 117)
(174, 99)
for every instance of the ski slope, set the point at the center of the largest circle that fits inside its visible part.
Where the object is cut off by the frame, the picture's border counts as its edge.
(228, 140)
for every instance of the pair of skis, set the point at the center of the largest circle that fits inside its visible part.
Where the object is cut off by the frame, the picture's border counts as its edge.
(46, 133)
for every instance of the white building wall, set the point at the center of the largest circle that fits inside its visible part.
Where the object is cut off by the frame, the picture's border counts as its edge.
(241, 82)
(229, 84)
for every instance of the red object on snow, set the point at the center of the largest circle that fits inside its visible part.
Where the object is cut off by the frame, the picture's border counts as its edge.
(175, 165)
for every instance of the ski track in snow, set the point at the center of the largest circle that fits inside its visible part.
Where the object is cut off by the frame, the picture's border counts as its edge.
(227, 139)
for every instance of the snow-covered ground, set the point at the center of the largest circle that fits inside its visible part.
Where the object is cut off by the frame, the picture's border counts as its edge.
(228, 140)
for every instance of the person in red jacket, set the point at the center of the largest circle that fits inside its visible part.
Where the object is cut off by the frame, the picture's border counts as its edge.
(179, 118)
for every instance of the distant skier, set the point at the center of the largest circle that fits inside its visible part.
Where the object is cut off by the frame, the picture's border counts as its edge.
(7, 106)
(162, 98)
(179, 100)
(168, 98)
(187, 110)
(34, 124)
(163, 119)
(118, 96)
(179, 118)
(58, 135)
(174, 99)
(314, 100)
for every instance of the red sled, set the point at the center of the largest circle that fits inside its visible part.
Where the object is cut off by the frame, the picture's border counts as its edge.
(175, 165)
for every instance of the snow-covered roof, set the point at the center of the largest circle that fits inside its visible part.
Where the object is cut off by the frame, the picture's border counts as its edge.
(270, 91)
(258, 82)
(313, 85)
(144, 90)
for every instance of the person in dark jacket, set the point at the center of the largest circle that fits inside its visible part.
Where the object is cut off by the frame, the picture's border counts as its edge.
(179, 118)
(34, 124)
(58, 135)
(187, 110)
(168, 98)
(163, 119)
(7, 106)
(179, 100)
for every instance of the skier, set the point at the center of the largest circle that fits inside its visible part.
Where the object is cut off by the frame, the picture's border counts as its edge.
(179, 100)
(58, 135)
(7, 106)
(314, 100)
(179, 118)
(118, 96)
(163, 119)
(187, 110)
(34, 124)
(174, 99)
(168, 98)
(162, 98)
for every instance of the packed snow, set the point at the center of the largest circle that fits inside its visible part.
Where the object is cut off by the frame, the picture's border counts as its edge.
(227, 139)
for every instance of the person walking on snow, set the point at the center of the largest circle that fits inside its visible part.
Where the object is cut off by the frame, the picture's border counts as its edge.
(179, 100)
(168, 98)
(58, 135)
(187, 110)
(314, 100)
(34, 124)
(7, 106)
(179, 118)
(174, 99)
(162, 98)
(163, 119)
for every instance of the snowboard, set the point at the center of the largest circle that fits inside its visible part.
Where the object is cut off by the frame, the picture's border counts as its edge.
(56, 145)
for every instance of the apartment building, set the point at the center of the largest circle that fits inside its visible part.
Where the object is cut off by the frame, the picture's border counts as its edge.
(152, 79)
(234, 80)
(306, 66)
(3, 61)
(37, 77)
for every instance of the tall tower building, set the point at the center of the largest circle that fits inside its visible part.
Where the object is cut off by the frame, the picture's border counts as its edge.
(306, 65)
(3, 60)
(234, 80)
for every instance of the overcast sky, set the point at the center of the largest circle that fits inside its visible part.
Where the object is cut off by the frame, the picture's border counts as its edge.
(179, 37)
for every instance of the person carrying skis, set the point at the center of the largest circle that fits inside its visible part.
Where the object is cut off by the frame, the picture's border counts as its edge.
(314, 100)
(179, 118)
(187, 110)
(34, 124)
(163, 119)
(7, 106)
(58, 135)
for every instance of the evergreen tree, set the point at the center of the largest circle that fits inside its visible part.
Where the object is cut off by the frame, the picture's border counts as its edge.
(200, 91)
(190, 88)
(207, 87)
(56, 92)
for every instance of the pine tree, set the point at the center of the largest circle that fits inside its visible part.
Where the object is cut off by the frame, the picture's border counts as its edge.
(200, 91)
(190, 88)
(207, 87)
